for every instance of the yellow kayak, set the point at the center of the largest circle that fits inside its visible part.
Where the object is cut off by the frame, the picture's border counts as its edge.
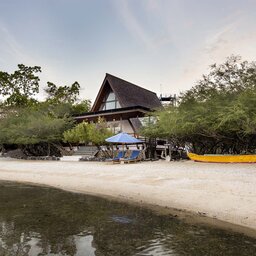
(223, 158)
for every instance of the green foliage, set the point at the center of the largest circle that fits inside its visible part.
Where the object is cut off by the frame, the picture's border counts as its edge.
(78, 134)
(88, 132)
(57, 110)
(81, 107)
(98, 132)
(32, 125)
(62, 94)
(217, 115)
(24, 120)
(67, 95)
(20, 87)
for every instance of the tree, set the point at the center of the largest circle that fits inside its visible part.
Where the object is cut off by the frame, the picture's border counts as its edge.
(81, 107)
(98, 132)
(67, 95)
(33, 126)
(218, 114)
(88, 132)
(62, 94)
(20, 87)
(78, 134)
(26, 122)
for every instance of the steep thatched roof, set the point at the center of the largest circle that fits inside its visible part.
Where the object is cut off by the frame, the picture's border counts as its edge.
(128, 94)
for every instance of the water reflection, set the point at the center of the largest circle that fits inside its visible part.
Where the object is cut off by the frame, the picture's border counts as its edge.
(44, 221)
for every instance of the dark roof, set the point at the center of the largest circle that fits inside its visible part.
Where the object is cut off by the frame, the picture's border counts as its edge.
(128, 94)
(136, 123)
(118, 113)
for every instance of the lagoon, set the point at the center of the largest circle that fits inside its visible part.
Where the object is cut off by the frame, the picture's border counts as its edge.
(46, 221)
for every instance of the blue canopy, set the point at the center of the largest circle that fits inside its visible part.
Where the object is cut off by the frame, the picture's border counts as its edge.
(123, 138)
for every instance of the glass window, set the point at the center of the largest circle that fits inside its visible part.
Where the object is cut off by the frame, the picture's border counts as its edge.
(110, 105)
(117, 129)
(118, 104)
(110, 102)
(103, 106)
(111, 97)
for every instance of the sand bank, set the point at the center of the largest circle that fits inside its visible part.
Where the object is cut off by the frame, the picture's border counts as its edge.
(223, 191)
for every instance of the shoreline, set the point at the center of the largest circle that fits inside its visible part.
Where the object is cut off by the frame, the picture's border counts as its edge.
(182, 214)
(219, 195)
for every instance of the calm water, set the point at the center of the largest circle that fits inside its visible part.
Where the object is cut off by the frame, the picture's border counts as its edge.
(46, 221)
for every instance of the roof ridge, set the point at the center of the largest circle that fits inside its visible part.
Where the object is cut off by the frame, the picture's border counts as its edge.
(107, 74)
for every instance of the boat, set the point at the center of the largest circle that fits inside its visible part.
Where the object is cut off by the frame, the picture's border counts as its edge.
(223, 158)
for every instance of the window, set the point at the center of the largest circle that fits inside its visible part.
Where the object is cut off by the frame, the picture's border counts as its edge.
(115, 126)
(110, 102)
(111, 97)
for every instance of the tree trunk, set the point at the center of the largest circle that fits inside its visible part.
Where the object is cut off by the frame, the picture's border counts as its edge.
(49, 149)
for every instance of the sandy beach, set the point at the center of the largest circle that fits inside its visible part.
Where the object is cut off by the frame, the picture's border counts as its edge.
(226, 192)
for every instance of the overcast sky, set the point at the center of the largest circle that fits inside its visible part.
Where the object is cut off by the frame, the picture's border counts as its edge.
(162, 45)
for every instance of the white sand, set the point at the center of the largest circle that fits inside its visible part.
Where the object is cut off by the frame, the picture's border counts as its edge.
(223, 191)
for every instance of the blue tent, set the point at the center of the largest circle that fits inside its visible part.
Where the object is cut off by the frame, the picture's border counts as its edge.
(123, 138)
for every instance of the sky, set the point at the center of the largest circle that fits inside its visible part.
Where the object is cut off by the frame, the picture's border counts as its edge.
(162, 45)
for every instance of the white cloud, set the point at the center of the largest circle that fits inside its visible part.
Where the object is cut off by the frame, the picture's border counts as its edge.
(151, 40)
(233, 38)
(132, 24)
(10, 48)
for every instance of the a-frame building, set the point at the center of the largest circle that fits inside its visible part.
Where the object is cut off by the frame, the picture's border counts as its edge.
(121, 104)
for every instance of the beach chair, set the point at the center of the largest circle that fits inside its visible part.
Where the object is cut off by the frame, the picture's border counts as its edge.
(117, 158)
(134, 157)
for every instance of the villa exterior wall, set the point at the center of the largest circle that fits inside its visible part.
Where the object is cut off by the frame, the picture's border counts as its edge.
(118, 126)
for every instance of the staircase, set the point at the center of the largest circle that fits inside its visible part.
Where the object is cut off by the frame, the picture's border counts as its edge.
(85, 151)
